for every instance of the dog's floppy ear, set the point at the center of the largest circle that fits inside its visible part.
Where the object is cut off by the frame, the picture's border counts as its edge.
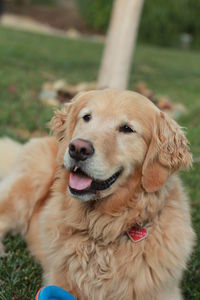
(59, 120)
(168, 151)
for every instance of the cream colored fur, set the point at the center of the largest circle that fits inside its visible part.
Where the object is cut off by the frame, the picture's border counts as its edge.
(83, 246)
(9, 150)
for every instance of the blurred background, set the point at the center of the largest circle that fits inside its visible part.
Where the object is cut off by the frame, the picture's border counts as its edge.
(173, 23)
(52, 49)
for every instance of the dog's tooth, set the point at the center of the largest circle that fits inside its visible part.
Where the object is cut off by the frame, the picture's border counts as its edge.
(75, 168)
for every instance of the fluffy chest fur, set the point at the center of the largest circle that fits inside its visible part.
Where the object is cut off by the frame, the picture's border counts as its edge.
(91, 255)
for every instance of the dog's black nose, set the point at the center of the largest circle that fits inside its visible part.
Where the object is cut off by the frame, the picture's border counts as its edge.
(81, 149)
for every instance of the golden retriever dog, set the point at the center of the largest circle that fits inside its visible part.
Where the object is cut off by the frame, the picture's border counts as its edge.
(99, 204)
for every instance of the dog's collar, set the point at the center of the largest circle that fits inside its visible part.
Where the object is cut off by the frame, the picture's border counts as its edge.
(138, 232)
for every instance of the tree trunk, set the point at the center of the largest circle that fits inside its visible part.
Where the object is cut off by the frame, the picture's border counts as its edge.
(120, 43)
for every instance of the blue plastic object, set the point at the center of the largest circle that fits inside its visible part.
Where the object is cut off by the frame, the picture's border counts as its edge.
(53, 292)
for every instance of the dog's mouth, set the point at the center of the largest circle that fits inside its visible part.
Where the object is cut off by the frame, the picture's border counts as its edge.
(80, 183)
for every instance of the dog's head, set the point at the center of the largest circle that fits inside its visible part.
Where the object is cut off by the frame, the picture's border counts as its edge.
(105, 136)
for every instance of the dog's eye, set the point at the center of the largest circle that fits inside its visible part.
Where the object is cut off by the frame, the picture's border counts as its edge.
(126, 129)
(87, 117)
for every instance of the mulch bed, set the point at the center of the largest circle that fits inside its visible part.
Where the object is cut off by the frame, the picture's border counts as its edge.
(56, 16)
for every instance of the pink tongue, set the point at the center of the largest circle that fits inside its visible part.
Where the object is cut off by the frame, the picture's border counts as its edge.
(79, 182)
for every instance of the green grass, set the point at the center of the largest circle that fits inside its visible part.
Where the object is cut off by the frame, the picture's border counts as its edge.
(27, 61)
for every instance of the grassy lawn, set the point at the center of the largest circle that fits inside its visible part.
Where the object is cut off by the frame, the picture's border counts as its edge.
(28, 60)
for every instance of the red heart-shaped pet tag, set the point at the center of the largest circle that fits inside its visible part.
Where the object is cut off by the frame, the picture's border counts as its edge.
(137, 234)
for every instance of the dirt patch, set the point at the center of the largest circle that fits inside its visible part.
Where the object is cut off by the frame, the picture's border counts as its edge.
(60, 17)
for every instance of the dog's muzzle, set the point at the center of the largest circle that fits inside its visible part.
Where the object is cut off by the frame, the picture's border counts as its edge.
(81, 183)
